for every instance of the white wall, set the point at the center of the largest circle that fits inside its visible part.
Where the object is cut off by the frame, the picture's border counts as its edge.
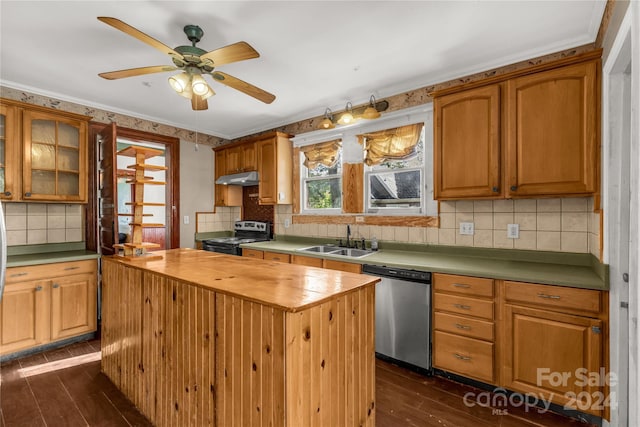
(196, 187)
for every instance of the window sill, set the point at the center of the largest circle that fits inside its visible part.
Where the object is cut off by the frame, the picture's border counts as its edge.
(395, 221)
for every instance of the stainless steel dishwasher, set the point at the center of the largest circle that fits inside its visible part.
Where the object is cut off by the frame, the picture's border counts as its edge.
(403, 315)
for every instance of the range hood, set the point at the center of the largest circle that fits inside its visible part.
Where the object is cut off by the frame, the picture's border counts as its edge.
(244, 179)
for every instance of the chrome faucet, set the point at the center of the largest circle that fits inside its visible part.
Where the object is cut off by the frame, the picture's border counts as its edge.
(348, 236)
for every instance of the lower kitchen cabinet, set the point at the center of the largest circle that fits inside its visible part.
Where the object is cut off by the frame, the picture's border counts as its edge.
(554, 344)
(46, 303)
(463, 323)
(331, 264)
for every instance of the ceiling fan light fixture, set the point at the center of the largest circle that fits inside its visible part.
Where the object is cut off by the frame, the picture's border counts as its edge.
(371, 112)
(199, 85)
(180, 82)
(347, 116)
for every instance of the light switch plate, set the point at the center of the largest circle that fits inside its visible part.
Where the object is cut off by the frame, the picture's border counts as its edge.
(513, 231)
(186, 219)
(287, 222)
(466, 228)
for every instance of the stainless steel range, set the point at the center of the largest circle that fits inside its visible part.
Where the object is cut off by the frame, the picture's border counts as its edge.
(245, 232)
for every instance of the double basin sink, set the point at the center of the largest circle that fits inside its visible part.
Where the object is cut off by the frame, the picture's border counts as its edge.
(337, 250)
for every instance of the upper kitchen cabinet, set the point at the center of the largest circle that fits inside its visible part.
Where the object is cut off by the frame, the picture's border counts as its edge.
(9, 152)
(53, 145)
(241, 158)
(225, 195)
(552, 131)
(531, 134)
(467, 148)
(275, 169)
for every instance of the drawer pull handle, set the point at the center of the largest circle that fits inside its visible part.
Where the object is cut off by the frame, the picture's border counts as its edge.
(19, 274)
(462, 306)
(461, 357)
(463, 327)
(71, 268)
(547, 296)
(461, 285)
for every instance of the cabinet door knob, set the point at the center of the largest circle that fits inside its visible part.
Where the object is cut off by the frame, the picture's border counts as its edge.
(38, 288)
(514, 187)
(495, 189)
(56, 286)
(27, 194)
(7, 193)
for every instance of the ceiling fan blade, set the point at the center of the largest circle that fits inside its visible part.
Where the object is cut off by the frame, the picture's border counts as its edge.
(231, 53)
(112, 75)
(133, 32)
(197, 103)
(244, 87)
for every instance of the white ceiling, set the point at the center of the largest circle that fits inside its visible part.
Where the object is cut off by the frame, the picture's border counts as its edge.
(314, 54)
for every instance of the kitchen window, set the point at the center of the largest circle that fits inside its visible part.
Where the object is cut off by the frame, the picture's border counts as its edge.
(394, 170)
(322, 177)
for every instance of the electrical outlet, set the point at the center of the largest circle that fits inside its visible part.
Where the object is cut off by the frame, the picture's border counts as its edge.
(287, 223)
(513, 231)
(359, 218)
(186, 219)
(466, 228)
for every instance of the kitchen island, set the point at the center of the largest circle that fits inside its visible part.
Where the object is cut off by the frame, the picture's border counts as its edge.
(201, 338)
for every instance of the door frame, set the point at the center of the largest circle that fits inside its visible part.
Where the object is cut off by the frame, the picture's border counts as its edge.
(621, 188)
(172, 153)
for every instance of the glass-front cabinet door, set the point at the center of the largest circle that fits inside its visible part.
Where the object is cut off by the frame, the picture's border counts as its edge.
(9, 144)
(54, 157)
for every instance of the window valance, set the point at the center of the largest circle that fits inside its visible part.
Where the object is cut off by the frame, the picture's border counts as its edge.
(324, 153)
(395, 143)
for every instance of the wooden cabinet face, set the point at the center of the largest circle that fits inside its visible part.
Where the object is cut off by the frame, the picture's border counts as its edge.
(233, 160)
(54, 165)
(249, 157)
(24, 315)
(542, 345)
(44, 303)
(225, 195)
(267, 171)
(9, 156)
(551, 131)
(73, 305)
(467, 144)
(306, 260)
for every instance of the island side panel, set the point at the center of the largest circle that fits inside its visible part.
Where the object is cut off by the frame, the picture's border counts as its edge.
(249, 363)
(330, 362)
(159, 347)
(122, 327)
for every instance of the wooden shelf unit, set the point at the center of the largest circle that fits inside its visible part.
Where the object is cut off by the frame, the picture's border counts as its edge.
(137, 248)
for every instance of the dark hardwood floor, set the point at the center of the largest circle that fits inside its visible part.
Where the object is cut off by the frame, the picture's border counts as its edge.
(81, 395)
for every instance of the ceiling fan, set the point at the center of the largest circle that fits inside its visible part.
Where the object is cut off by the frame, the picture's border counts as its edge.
(194, 63)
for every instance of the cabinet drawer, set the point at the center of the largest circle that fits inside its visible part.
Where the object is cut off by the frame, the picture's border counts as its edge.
(460, 325)
(463, 305)
(252, 253)
(342, 266)
(463, 285)
(306, 260)
(48, 271)
(466, 356)
(560, 297)
(275, 256)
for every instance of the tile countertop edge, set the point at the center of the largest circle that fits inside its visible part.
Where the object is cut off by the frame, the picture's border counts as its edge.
(593, 276)
(49, 258)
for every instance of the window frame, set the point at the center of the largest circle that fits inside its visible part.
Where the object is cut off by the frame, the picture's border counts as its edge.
(304, 178)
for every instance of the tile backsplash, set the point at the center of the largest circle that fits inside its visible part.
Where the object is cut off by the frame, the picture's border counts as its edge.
(221, 220)
(38, 223)
(560, 224)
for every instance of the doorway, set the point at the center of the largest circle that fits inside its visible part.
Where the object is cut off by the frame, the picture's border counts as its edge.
(108, 181)
(621, 153)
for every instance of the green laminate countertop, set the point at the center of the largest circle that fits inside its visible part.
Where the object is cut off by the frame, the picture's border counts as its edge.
(20, 256)
(564, 269)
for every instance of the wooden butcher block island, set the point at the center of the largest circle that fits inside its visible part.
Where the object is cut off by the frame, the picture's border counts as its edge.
(205, 339)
